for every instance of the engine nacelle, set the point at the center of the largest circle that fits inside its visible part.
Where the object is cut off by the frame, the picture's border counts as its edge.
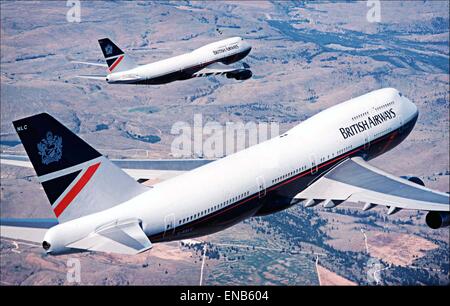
(241, 74)
(437, 219)
(414, 179)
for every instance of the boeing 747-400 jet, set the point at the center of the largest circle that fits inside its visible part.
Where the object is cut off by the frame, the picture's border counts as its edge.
(211, 59)
(98, 207)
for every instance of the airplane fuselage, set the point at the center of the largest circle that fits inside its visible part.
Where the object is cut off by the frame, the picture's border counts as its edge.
(183, 66)
(260, 180)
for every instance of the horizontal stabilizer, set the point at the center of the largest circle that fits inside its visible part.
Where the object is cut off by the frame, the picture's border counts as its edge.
(32, 230)
(17, 163)
(90, 64)
(120, 238)
(93, 77)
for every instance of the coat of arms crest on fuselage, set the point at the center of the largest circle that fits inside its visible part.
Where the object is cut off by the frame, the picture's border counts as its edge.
(50, 148)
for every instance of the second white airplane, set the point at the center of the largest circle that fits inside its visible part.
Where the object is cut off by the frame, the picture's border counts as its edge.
(211, 59)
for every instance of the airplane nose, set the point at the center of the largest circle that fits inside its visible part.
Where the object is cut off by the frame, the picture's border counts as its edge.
(410, 107)
(416, 110)
(245, 45)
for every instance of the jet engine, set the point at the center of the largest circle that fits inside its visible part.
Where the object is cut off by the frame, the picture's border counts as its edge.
(241, 74)
(414, 179)
(437, 219)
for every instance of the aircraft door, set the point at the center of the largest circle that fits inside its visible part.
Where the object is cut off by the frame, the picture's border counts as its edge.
(261, 186)
(367, 140)
(314, 166)
(169, 224)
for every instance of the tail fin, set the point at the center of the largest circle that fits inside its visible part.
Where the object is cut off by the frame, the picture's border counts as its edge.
(116, 59)
(77, 179)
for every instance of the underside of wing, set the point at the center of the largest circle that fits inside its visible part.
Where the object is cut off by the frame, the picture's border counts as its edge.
(238, 73)
(122, 238)
(357, 181)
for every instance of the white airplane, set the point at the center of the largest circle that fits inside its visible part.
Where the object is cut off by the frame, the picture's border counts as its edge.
(212, 59)
(321, 160)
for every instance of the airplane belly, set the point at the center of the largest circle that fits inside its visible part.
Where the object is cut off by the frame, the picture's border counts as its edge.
(163, 79)
(214, 222)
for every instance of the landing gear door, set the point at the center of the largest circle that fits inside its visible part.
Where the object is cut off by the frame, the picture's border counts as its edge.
(169, 224)
(261, 186)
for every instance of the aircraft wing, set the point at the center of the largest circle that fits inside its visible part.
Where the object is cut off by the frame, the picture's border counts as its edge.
(158, 169)
(120, 238)
(239, 73)
(139, 169)
(217, 68)
(357, 181)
